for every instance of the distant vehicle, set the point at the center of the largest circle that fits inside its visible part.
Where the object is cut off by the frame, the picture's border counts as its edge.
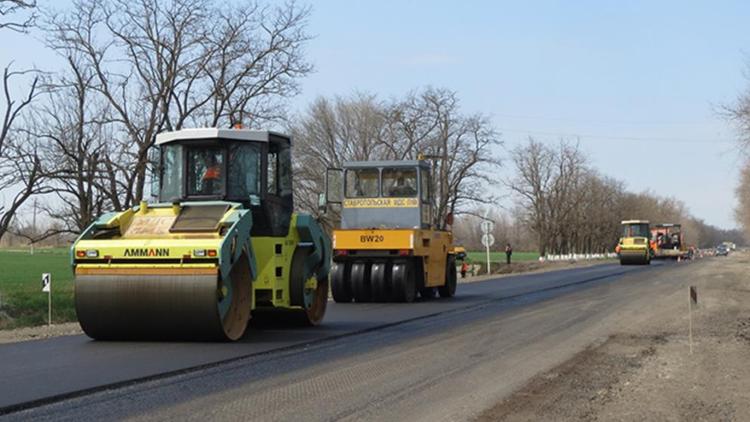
(721, 250)
(668, 241)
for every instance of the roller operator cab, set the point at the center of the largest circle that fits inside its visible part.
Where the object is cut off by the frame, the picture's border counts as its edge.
(387, 249)
(221, 245)
(634, 247)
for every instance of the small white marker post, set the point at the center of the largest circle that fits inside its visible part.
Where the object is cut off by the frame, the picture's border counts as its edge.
(47, 287)
(692, 297)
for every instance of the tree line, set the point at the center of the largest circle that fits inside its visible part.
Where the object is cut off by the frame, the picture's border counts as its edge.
(566, 206)
(82, 136)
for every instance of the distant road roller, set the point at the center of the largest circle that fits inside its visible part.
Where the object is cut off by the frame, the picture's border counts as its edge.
(634, 247)
(387, 249)
(220, 246)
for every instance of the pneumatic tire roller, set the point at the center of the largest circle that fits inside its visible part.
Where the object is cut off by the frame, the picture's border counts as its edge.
(388, 248)
(221, 246)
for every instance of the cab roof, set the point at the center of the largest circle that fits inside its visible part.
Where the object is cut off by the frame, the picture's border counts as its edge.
(202, 134)
(634, 222)
(387, 163)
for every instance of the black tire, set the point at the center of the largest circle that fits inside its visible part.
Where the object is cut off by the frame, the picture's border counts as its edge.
(360, 282)
(379, 282)
(404, 284)
(340, 284)
(451, 280)
(314, 306)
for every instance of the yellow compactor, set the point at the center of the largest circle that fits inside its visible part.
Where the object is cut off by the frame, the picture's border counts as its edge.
(220, 246)
(387, 249)
(634, 247)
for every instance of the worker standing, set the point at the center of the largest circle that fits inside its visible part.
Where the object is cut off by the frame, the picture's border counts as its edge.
(464, 269)
(508, 253)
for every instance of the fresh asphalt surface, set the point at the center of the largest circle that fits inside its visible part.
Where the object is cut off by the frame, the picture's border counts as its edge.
(59, 370)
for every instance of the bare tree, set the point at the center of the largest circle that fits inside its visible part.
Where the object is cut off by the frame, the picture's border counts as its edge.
(21, 172)
(426, 124)
(331, 132)
(462, 147)
(71, 120)
(20, 166)
(532, 184)
(161, 65)
(13, 7)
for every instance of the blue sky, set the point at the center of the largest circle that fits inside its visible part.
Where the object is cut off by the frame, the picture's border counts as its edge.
(637, 81)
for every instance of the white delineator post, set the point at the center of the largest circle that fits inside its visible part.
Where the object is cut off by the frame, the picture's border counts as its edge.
(47, 287)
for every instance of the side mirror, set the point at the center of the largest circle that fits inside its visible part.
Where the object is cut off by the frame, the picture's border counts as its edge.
(322, 203)
(334, 185)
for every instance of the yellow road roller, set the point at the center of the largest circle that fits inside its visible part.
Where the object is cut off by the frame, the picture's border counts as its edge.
(634, 247)
(221, 245)
(387, 249)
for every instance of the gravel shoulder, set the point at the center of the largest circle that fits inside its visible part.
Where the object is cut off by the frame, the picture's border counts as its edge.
(40, 332)
(644, 369)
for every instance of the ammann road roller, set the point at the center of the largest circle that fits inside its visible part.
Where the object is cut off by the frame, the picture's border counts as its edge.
(634, 247)
(387, 249)
(221, 245)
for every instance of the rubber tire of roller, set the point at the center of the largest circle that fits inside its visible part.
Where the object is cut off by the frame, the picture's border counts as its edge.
(379, 282)
(404, 286)
(360, 282)
(341, 288)
(451, 279)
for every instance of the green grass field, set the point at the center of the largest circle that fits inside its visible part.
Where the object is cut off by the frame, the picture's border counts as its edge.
(22, 302)
(481, 256)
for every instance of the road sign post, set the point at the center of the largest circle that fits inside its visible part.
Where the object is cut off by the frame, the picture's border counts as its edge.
(47, 287)
(487, 238)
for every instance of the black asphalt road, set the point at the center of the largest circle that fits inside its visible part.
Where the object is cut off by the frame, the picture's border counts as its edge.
(44, 371)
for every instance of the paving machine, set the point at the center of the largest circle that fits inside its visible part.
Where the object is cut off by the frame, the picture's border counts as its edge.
(668, 241)
(634, 247)
(222, 245)
(387, 249)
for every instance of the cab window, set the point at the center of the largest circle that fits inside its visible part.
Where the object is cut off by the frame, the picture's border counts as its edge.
(171, 185)
(244, 170)
(400, 183)
(362, 183)
(425, 183)
(205, 169)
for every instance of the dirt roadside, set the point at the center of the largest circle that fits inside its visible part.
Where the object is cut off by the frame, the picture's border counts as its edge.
(645, 370)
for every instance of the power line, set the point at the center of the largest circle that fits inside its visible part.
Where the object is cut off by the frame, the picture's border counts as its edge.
(620, 138)
(601, 122)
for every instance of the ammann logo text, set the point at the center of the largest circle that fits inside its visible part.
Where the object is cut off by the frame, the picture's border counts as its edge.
(145, 252)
